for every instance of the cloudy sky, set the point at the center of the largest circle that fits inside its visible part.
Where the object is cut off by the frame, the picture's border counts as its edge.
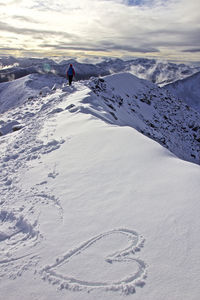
(159, 28)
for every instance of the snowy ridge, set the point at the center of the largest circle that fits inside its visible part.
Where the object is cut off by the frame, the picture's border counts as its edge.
(121, 99)
(18, 236)
(187, 90)
(16, 92)
(126, 100)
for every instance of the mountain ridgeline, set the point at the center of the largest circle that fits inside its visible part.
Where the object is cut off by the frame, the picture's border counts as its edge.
(158, 72)
(169, 115)
(153, 111)
(188, 90)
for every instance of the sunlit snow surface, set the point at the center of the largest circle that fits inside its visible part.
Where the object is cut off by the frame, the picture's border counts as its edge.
(90, 207)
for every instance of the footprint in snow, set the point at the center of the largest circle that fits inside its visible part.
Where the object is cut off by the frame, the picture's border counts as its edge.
(15, 230)
(17, 237)
(42, 148)
(106, 261)
(72, 108)
(69, 106)
(56, 111)
(11, 126)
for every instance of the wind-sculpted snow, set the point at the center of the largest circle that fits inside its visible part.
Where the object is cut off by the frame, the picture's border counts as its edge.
(129, 101)
(106, 261)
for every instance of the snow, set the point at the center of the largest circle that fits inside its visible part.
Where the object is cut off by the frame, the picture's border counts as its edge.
(90, 207)
(188, 90)
(151, 110)
(17, 92)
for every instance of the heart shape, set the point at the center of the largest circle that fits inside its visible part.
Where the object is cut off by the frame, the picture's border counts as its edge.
(105, 261)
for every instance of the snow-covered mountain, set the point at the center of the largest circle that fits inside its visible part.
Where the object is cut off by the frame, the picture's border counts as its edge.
(188, 90)
(153, 70)
(90, 207)
(156, 71)
(134, 102)
(125, 100)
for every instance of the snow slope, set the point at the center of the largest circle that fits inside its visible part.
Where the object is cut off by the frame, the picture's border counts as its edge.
(130, 101)
(188, 90)
(91, 208)
(16, 92)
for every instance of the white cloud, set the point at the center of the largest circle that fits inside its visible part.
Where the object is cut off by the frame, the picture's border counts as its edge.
(117, 26)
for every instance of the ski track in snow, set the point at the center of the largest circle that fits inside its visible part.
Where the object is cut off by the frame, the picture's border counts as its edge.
(117, 248)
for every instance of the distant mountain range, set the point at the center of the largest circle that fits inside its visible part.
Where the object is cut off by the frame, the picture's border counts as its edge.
(153, 70)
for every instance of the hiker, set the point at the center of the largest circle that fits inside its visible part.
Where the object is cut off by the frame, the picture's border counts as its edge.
(70, 74)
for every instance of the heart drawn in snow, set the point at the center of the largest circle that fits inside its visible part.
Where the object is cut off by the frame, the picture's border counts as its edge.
(105, 261)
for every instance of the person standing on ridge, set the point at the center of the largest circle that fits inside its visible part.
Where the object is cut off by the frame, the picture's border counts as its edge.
(70, 74)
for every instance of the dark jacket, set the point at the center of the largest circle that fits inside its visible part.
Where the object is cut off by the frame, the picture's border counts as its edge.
(70, 71)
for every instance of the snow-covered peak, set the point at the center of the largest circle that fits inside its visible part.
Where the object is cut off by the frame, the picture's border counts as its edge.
(127, 83)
